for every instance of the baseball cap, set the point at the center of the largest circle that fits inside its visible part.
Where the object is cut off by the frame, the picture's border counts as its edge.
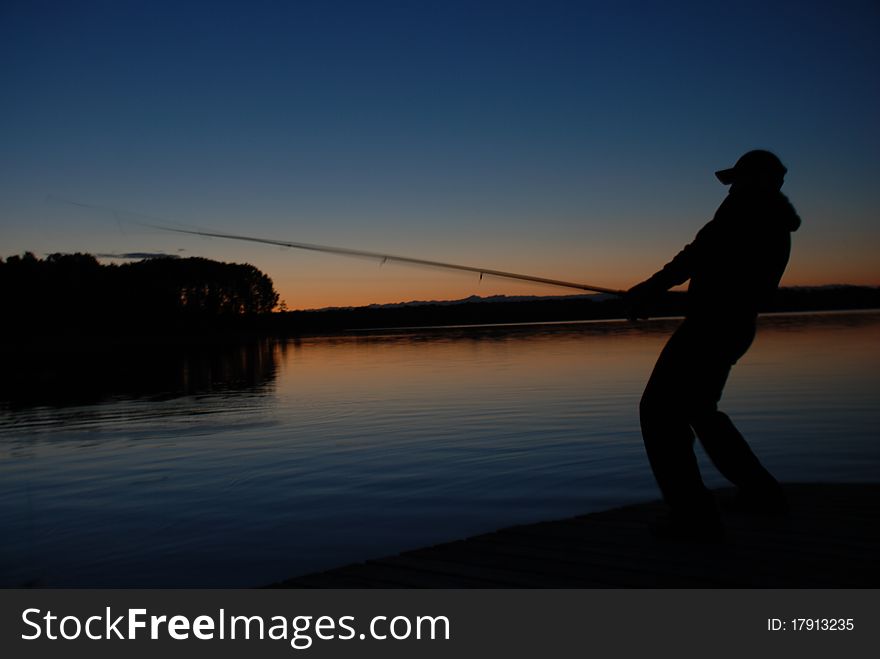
(757, 163)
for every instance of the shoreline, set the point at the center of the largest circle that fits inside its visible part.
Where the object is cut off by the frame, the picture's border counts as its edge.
(828, 540)
(200, 336)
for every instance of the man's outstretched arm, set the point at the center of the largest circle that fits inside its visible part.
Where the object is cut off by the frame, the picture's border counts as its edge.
(641, 296)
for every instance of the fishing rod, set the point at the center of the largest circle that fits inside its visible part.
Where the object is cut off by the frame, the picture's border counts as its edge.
(383, 258)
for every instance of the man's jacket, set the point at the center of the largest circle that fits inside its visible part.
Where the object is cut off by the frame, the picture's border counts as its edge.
(736, 261)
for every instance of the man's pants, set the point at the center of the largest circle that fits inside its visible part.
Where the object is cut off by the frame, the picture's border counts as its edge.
(680, 399)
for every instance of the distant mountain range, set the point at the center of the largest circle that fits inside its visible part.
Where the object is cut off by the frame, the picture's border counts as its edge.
(501, 309)
(595, 297)
(591, 297)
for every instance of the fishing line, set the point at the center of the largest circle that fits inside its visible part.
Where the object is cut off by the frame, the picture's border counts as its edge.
(162, 225)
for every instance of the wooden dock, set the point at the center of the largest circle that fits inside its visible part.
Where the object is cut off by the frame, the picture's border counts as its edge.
(830, 539)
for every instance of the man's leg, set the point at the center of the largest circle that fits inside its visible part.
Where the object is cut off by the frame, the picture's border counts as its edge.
(723, 443)
(666, 430)
(731, 454)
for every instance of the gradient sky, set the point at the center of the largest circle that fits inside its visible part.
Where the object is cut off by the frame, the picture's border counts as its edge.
(574, 140)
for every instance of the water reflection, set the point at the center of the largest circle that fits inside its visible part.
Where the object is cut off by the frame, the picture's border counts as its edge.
(62, 376)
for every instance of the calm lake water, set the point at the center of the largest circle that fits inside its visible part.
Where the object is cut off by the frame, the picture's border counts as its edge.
(241, 466)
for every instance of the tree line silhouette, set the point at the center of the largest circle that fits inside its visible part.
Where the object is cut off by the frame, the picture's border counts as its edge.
(70, 292)
(160, 297)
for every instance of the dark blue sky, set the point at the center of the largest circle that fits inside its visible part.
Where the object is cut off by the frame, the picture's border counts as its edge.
(571, 139)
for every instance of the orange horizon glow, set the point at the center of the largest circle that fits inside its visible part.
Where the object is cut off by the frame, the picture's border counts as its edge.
(359, 294)
(313, 281)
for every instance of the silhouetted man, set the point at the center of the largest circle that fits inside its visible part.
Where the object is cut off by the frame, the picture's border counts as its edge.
(734, 266)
